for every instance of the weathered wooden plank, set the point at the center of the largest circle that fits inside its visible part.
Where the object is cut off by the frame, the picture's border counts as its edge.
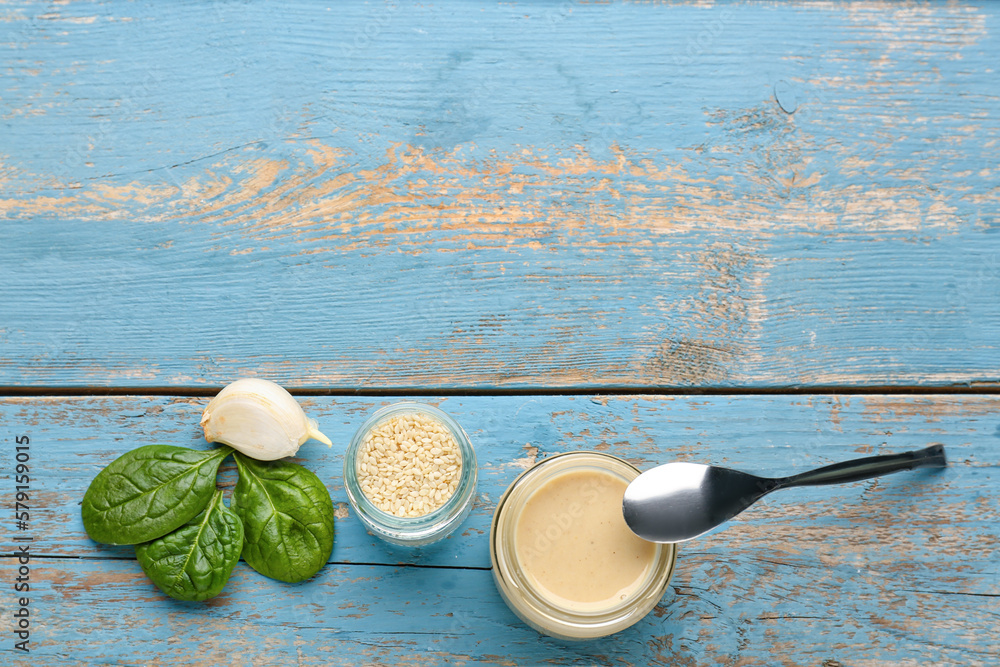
(352, 615)
(460, 195)
(900, 570)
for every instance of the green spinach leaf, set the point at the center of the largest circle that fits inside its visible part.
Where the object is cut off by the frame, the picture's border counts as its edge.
(194, 562)
(287, 518)
(149, 492)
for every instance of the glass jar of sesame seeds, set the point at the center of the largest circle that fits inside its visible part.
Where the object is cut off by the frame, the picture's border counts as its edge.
(410, 474)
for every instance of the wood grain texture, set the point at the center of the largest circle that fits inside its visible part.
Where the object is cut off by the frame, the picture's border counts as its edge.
(902, 570)
(465, 195)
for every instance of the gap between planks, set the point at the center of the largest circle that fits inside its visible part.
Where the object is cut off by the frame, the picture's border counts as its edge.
(335, 563)
(985, 388)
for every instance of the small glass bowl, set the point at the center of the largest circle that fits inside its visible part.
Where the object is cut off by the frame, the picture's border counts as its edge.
(531, 604)
(421, 530)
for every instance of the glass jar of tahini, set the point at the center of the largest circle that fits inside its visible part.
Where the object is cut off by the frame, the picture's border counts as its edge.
(410, 473)
(564, 559)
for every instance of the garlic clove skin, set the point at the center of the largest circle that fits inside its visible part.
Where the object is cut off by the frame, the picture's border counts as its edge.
(260, 419)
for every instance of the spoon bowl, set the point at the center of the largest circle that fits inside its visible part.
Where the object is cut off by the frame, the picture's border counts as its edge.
(680, 501)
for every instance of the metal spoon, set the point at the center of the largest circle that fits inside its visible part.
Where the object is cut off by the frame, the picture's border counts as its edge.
(680, 501)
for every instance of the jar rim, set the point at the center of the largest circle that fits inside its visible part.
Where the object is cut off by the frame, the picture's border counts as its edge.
(425, 528)
(523, 597)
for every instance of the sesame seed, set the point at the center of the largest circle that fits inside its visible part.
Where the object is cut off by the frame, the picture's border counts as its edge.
(409, 465)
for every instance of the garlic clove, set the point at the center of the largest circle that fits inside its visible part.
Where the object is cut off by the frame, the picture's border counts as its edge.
(260, 419)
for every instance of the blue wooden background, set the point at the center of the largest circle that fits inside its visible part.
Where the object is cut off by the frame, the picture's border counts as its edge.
(549, 195)
(557, 220)
(898, 570)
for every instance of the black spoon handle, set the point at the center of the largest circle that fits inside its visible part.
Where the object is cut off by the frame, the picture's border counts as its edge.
(866, 468)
